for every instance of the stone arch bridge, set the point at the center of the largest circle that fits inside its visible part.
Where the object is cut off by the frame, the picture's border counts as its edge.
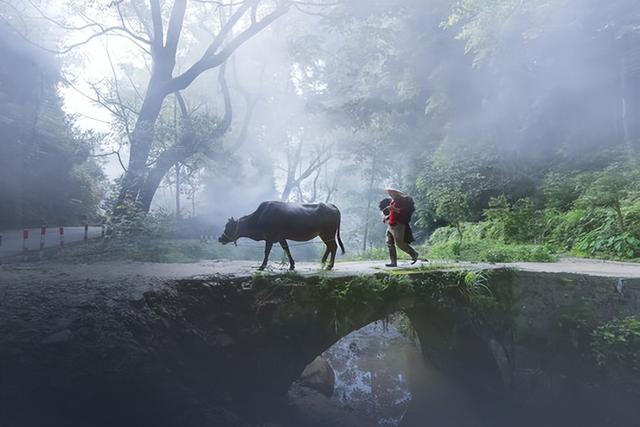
(224, 349)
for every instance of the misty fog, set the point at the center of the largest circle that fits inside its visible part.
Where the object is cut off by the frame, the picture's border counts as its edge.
(329, 103)
(148, 134)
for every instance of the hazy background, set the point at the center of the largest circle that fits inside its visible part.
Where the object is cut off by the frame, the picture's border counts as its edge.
(331, 102)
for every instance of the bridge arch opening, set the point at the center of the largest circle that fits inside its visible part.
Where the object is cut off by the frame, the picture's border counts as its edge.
(383, 375)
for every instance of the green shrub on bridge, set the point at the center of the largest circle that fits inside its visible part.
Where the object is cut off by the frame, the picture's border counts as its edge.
(616, 344)
(444, 245)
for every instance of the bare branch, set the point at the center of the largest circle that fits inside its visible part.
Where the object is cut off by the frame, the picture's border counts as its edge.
(302, 6)
(175, 27)
(134, 87)
(183, 105)
(254, 12)
(317, 4)
(220, 3)
(158, 31)
(95, 119)
(227, 28)
(228, 113)
(127, 30)
(143, 20)
(60, 24)
(66, 49)
(120, 103)
(207, 62)
(112, 153)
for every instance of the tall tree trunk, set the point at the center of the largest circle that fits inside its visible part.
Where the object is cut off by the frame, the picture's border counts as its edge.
(368, 213)
(142, 140)
(140, 182)
(163, 165)
(177, 190)
(177, 166)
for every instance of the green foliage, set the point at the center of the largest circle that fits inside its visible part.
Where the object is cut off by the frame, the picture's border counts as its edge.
(616, 344)
(479, 24)
(620, 246)
(132, 221)
(476, 288)
(560, 189)
(463, 292)
(405, 327)
(517, 223)
(46, 174)
(575, 325)
(491, 251)
(450, 183)
(374, 253)
(595, 232)
(479, 247)
(591, 214)
(608, 187)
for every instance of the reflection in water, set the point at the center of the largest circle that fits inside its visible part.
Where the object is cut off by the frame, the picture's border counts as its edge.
(371, 368)
(376, 369)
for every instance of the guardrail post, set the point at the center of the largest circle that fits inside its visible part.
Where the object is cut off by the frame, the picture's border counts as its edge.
(25, 244)
(86, 233)
(43, 231)
(61, 232)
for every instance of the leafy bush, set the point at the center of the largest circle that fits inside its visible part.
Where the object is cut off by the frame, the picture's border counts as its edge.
(595, 233)
(487, 250)
(617, 343)
(561, 190)
(518, 223)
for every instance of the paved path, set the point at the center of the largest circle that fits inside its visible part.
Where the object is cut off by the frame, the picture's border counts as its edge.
(12, 239)
(588, 267)
(565, 265)
(117, 271)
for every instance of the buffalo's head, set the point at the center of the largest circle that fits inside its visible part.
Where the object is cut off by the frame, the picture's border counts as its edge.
(230, 232)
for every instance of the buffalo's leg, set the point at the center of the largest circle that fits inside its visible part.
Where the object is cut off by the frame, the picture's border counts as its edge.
(326, 255)
(285, 246)
(332, 248)
(267, 251)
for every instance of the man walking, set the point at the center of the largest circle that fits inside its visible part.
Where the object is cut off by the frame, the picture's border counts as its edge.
(400, 210)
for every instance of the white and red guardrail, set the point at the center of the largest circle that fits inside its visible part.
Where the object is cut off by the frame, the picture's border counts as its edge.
(26, 232)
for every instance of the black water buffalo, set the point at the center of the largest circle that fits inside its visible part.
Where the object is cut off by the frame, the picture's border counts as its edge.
(278, 222)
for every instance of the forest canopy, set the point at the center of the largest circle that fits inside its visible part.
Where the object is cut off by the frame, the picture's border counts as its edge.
(46, 174)
(510, 123)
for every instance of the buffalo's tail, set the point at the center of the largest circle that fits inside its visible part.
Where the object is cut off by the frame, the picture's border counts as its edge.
(338, 231)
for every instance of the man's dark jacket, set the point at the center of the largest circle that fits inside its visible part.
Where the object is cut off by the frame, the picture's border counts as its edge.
(384, 207)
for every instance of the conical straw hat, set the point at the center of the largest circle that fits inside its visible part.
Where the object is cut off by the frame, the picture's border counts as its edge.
(394, 193)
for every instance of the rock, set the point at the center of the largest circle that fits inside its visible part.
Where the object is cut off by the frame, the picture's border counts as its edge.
(319, 376)
(313, 409)
(224, 340)
(58, 337)
(63, 322)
